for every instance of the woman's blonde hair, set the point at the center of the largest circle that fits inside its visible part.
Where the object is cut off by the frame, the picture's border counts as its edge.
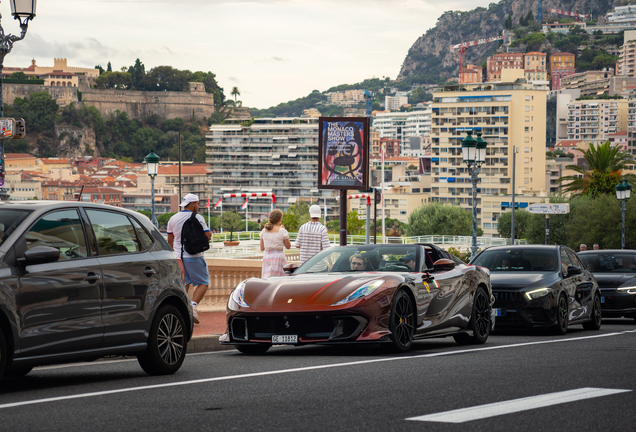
(274, 217)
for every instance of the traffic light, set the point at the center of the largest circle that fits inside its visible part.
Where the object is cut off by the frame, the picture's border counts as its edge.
(377, 196)
(20, 129)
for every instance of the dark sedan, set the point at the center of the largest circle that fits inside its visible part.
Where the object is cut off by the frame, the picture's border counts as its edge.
(388, 294)
(80, 281)
(541, 286)
(615, 272)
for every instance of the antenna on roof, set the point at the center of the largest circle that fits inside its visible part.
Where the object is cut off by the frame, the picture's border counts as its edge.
(79, 198)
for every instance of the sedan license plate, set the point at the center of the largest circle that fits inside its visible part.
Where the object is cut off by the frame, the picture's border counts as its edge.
(602, 299)
(285, 339)
(497, 312)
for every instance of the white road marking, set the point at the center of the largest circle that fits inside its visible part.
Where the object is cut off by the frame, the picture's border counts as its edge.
(302, 369)
(516, 405)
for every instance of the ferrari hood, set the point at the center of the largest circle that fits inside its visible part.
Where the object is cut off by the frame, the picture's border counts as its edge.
(304, 290)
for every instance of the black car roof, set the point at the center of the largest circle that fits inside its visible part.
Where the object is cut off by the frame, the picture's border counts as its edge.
(613, 251)
(524, 247)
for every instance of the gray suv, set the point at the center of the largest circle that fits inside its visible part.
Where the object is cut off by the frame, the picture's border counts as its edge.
(80, 281)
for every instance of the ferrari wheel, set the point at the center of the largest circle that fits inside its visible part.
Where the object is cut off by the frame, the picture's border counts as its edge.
(402, 322)
(480, 321)
(561, 327)
(166, 344)
(595, 323)
(253, 349)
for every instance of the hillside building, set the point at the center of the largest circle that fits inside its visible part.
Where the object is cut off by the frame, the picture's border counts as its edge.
(497, 62)
(593, 121)
(508, 114)
(560, 65)
(471, 74)
(535, 66)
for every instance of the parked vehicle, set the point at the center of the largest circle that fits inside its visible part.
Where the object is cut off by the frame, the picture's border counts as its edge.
(388, 294)
(615, 272)
(541, 286)
(80, 281)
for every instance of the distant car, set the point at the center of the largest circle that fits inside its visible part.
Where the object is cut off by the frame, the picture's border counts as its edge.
(80, 281)
(541, 286)
(615, 272)
(388, 294)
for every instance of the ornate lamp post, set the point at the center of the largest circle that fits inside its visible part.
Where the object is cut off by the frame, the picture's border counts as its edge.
(623, 193)
(474, 155)
(23, 11)
(152, 164)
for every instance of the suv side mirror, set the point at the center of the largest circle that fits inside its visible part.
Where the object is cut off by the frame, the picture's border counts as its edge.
(290, 268)
(443, 264)
(574, 270)
(40, 255)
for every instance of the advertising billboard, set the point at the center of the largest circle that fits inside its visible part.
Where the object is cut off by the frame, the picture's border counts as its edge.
(343, 153)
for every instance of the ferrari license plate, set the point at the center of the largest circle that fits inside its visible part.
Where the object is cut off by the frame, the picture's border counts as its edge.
(285, 339)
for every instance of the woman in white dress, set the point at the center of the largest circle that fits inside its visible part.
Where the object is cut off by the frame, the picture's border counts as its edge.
(274, 238)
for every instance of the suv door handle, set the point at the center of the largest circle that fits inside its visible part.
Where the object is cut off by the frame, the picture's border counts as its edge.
(149, 271)
(92, 277)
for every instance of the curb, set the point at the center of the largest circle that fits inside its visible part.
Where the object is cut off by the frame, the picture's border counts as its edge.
(206, 343)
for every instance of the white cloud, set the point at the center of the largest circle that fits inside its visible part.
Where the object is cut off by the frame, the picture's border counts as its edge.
(273, 50)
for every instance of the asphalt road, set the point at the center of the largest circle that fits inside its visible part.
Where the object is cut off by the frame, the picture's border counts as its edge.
(583, 381)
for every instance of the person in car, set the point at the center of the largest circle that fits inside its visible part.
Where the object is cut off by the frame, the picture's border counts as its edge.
(358, 263)
(548, 261)
(409, 260)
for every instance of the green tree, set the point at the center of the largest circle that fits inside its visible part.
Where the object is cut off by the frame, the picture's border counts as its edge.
(109, 68)
(295, 216)
(114, 80)
(232, 222)
(38, 110)
(166, 78)
(235, 92)
(355, 226)
(436, 218)
(606, 165)
(509, 22)
(504, 224)
(211, 86)
(19, 75)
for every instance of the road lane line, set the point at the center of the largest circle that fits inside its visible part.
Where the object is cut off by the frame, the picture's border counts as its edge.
(516, 405)
(302, 369)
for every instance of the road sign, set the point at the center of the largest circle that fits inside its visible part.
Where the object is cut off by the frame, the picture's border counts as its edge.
(549, 208)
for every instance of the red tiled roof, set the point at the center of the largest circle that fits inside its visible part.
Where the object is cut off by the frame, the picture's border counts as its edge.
(18, 156)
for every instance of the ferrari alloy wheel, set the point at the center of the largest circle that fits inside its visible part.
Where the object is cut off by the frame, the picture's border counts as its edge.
(166, 344)
(561, 327)
(595, 323)
(480, 321)
(253, 349)
(402, 322)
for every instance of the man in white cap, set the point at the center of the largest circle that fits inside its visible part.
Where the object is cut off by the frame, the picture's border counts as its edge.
(312, 236)
(196, 269)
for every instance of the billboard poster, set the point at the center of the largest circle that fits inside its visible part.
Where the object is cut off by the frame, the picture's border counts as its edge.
(343, 160)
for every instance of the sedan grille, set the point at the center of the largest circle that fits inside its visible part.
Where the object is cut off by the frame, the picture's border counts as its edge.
(507, 299)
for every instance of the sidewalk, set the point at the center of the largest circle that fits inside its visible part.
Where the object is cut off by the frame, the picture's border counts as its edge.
(206, 334)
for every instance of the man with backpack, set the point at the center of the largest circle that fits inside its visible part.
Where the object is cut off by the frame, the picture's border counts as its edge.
(189, 237)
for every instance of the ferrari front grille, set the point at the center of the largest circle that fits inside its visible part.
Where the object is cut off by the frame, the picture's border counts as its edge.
(306, 327)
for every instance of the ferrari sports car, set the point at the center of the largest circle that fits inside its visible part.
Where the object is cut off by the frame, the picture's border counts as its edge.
(387, 294)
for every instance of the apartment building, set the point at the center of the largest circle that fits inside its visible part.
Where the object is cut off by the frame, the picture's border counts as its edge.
(346, 97)
(631, 125)
(622, 13)
(594, 120)
(557, 115)
(507, 114)
(404, 126)
(278, 155)
(535, 66)
(560, 65)
(497, 62)
(560, 28)
(471, 74)
(394, 103)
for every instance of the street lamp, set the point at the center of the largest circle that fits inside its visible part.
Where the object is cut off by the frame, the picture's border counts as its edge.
(623, 193)
(474, 155)
(23, 11)
(152, 164)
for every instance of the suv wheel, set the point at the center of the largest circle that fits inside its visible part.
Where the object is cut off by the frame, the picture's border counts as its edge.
(166, 344)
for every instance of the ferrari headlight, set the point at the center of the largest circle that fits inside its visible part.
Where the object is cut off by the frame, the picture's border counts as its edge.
(627, 290)
(364, 290)
(238, 295)
(535, 294)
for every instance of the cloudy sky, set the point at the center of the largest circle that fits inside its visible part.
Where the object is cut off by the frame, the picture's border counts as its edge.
(272, 50)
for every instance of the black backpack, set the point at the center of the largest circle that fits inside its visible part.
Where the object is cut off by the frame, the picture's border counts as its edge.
(193, 238)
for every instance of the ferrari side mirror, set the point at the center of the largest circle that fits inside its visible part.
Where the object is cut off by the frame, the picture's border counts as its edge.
(290, 268)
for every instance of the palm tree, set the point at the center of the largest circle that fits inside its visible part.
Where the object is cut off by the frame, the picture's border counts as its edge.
(606, 165)
(235, 92)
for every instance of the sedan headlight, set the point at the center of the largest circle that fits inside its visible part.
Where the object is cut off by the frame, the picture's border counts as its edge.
(627, 290)
(537, 293)
(364, 290)
(238, 295)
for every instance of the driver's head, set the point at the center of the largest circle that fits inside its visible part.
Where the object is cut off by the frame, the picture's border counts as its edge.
(409, 260)
(358, 262)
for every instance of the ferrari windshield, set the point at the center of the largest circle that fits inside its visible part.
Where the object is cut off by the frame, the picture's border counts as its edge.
(346, 259)
(9, 221)
(606, 262)
(518, 260)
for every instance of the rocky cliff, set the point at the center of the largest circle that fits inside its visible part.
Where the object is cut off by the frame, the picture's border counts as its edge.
(430, 58)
